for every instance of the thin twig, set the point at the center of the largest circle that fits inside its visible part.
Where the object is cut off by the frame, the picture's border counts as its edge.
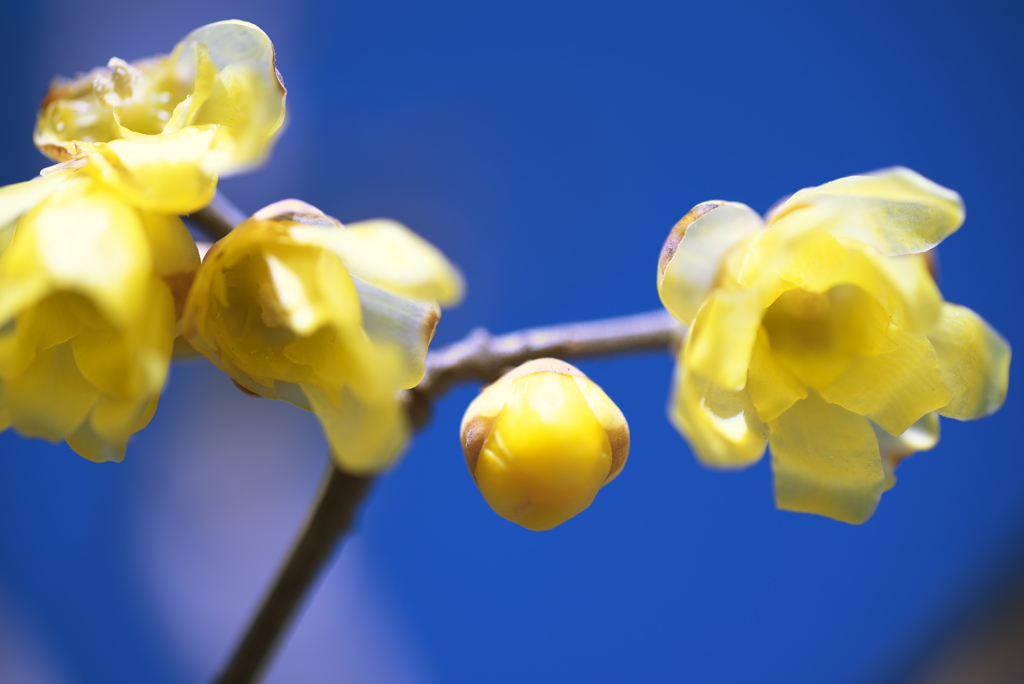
(218, 218)
(332, 516)
(481, 357)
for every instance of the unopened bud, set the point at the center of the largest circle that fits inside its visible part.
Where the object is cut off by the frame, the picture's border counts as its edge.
(541, 441)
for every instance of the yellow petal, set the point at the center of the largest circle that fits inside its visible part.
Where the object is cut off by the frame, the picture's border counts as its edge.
(86, 442)
(104, 435)
(403, 325)
(5, 414)
(694, 252)
(50, 399)
(167, 173)
(611, 420)
(17, 199)
(817, 336)
(896, 210)
(81, 239)
(387, 254)
(127, 363)
(773, 389)
(895, 388)
(364, 438)
(221, 76)
(247, 101)
(74, 112)
(115, 420)
(721, 425)
(722, 338)
(921, 436)
(174, 252)
(817, 261)
(974, 361)
(826, 461)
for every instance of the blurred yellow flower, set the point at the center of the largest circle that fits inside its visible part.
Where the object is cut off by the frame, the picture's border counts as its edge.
(541, 441)
(820, 331)
(89, 289)
(162, 127)
(294, 306)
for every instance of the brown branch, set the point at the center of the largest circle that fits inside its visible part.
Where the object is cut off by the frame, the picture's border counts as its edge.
(218, 218)
(332, 516)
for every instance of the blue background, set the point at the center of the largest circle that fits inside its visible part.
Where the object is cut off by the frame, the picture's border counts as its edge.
(547, 147)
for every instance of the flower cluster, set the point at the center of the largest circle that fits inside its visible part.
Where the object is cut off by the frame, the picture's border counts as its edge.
(819, 331)
(98, 274)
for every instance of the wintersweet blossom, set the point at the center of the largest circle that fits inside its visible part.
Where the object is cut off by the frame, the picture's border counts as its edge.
(214, 106)
(334, 319)
(820, 331)
(91, 288)
(541, 441)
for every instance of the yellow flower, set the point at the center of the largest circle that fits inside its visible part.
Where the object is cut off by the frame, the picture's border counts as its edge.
(213, 106)
(819, 331)
(294, 306)
(541, 441)
(89, 288)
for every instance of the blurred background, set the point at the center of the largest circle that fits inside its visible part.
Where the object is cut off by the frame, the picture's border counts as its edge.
(547, 148)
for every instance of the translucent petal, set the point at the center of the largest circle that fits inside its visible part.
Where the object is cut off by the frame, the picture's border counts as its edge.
(221, 76)
(116, 420)
(86, 442)
(826, 461)
(773, 389)
(405, 325)
(51, 398)
(104, 435)
(895, 210)
(817, 261)
(82, 239)
(921, 436)
(310, 288)
(894, 389)
(693, 254)
(17, 199)
(611, 419)
(247, 101)
(5, 414)
(72, 112)
(722, 338)
(167, 173)
(175, 255)
(389, 255)
(974, 361)
(364, 438)
(817, 336)
(721, 425)
(129, 363)
(911, 280)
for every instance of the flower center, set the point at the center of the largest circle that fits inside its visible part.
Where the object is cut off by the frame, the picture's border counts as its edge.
(818, 335)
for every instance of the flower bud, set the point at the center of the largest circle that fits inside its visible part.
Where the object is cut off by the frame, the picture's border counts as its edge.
(541, 441)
